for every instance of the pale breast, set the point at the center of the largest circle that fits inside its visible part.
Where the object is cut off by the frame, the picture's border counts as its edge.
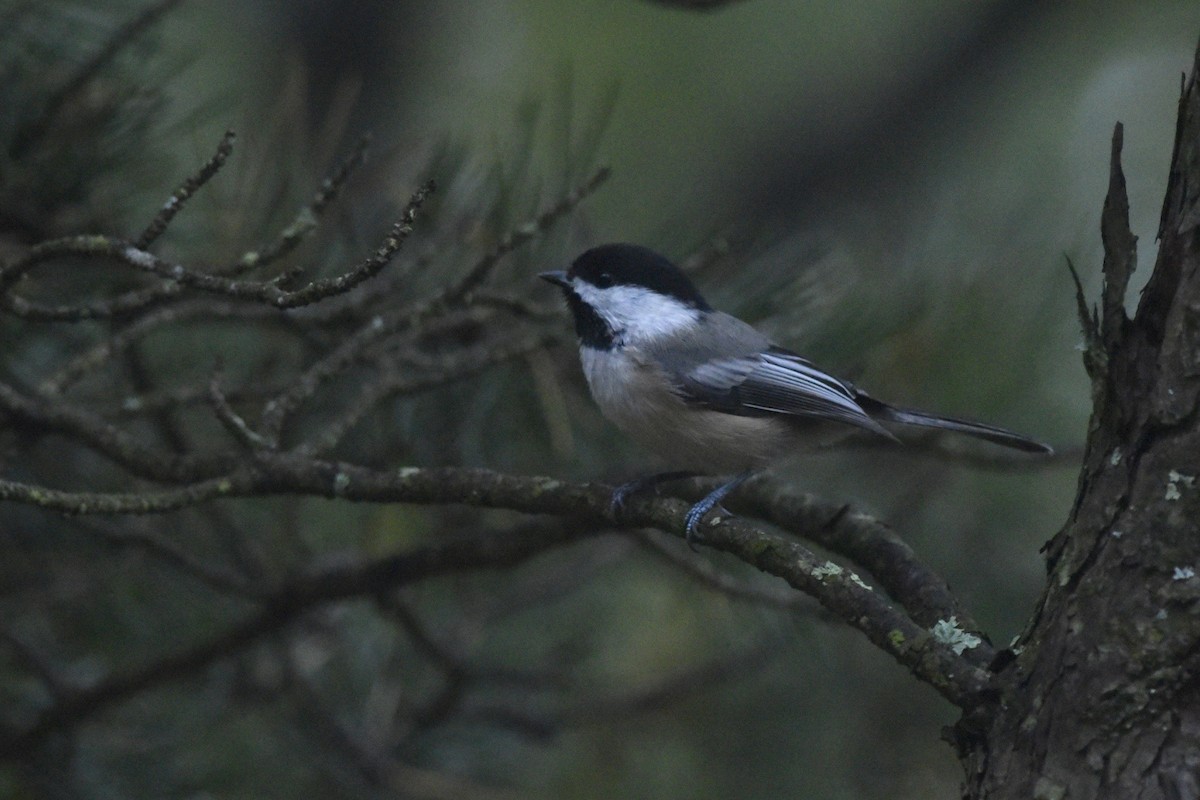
(637, 398)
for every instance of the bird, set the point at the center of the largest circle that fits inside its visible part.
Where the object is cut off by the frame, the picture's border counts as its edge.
(706, 391)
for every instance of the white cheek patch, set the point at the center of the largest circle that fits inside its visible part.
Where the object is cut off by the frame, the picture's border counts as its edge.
(634, 312)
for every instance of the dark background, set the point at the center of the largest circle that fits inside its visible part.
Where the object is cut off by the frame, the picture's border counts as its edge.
(893, 187)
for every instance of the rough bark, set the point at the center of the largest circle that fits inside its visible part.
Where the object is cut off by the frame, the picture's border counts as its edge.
(1101, 698)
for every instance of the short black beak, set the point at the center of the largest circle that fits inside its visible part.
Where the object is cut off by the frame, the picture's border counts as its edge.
(557, 277)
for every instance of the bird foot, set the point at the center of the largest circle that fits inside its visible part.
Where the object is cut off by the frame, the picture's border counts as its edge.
(699, 511)
(626, 490)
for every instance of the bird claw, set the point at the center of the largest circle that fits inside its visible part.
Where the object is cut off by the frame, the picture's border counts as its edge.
(695, 516)
(623, 492)
(699, 511)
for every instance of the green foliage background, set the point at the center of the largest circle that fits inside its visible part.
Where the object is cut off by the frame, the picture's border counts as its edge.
(893, 187)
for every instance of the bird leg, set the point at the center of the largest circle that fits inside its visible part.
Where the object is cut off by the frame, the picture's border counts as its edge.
(697, 512)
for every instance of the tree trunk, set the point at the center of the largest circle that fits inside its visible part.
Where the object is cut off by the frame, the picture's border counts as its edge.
(1102, 695)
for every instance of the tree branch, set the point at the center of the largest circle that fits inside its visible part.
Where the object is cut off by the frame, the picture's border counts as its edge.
(308, 217)
(288, 601)
(219, 281)
(379, 326)
(863, 539)
(839, 590)
(269, 292)
(41, 411)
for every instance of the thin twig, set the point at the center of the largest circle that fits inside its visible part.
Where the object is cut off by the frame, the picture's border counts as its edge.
(230, 419)
(123, 448)
(170, 553)
(307, 219)
(185, 191)
(392, 383)
(287, 602)
(116, 307)
(200, 309)
(136, 406)
(387, 323)
(269, 292)
(479, 273)
(178, 277)
(328, 287)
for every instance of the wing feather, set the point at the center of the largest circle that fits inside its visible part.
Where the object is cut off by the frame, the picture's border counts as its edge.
(774, 381)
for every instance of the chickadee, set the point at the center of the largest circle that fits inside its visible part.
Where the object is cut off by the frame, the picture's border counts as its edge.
(704, 390)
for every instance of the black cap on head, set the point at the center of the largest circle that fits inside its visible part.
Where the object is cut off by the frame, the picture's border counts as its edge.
(633, 265)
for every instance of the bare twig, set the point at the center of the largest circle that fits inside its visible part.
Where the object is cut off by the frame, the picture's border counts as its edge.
(230, 419)
(369, 268)
(277, 410)
(270, 292)
(118, 445)
(136, 406)
(219, 281)
(236, 484)
(306, 220)
(200, 309)
(387, 323)
(287, 602)
(121, 305)
(172, 554)
(479, 273)
(185, 191)
(394, 383)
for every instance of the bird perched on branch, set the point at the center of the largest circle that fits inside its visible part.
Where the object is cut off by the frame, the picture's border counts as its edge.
(703, 389)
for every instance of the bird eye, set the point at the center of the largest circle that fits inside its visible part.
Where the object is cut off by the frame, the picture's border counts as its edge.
(604, 280)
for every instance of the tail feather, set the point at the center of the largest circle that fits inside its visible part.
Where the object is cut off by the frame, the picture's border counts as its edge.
(905, 416)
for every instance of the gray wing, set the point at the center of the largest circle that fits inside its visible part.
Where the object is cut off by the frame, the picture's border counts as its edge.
(763, 379)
